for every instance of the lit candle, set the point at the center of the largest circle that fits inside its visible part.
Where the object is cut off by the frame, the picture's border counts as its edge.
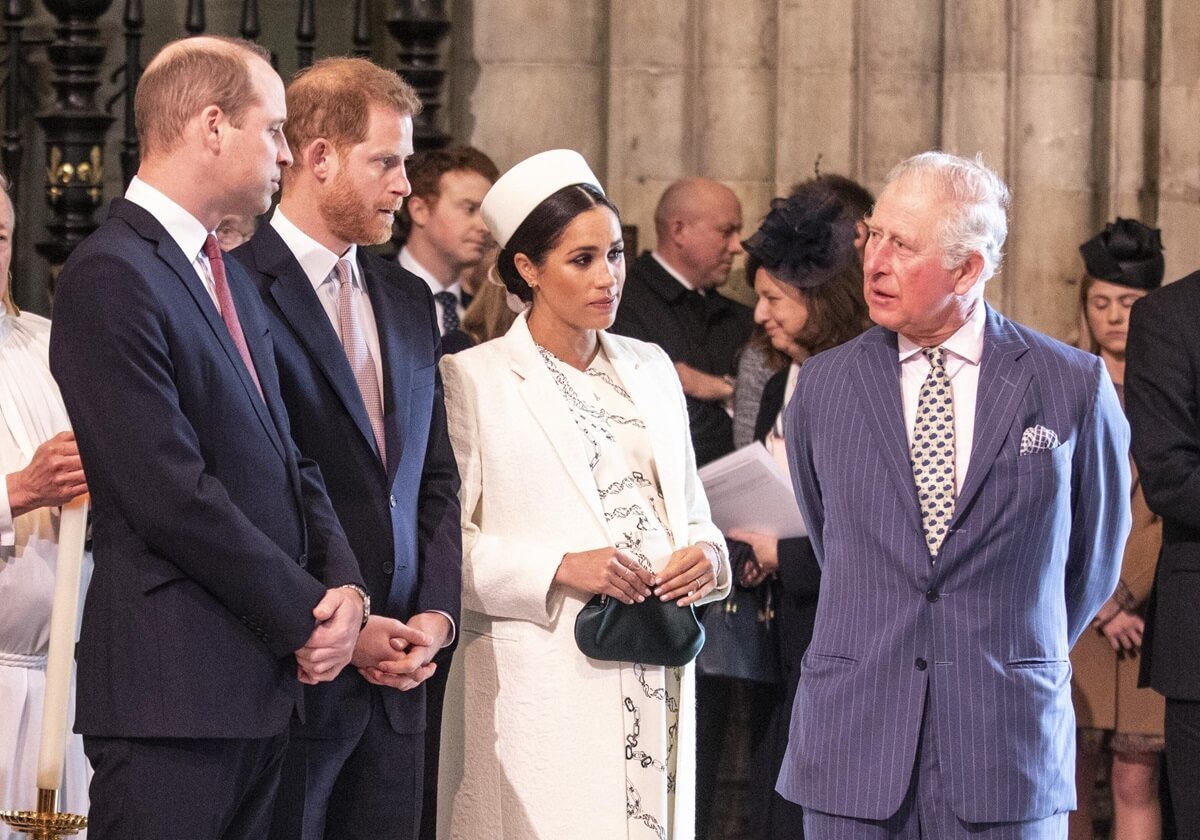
(72, 528)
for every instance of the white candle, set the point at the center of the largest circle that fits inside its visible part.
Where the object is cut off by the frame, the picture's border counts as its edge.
(72, 528)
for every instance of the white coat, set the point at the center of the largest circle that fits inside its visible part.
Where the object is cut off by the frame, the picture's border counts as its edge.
(532, 729)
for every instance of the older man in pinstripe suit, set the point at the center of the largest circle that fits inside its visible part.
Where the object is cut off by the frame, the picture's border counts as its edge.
(965, 482)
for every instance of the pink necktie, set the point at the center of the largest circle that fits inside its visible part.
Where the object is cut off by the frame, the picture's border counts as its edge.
(358, 354)
(216, 266)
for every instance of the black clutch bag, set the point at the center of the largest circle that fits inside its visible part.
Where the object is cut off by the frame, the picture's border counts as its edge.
(653, 632)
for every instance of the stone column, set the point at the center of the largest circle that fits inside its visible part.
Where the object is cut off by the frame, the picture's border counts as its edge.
(900, 97)
(1179, 142)
(542, 79)
(1052, 173)
(816, 96)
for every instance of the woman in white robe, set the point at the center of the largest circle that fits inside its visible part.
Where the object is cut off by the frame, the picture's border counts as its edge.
(41, 470)
(578, 478)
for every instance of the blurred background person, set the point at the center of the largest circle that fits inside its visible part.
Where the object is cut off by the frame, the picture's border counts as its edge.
(1123, 263)
(234, 231)
(443, 232)
(578, 480)
(489, 316)
(42, 471)
(808, 276)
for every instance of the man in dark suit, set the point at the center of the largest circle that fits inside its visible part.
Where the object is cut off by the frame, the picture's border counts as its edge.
(356, 343)
(1162, 395)
(965, 482)
(222, 575)
(670, 298)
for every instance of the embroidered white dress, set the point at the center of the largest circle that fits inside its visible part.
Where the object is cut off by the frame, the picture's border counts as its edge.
(31, 412)
(622, 462)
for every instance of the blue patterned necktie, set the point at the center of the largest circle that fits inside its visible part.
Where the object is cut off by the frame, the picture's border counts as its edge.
(933, 450)
(449, 303)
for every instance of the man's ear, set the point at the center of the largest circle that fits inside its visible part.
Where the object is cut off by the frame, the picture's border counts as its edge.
(419, 210)
(968, 274)
(320, 158)
(212, 124)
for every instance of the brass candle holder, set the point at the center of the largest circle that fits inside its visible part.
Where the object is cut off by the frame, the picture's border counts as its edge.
(46, 823)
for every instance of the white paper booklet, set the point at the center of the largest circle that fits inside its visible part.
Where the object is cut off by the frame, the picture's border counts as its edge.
(748, 491)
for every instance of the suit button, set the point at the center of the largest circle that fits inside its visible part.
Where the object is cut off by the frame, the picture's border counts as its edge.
(921, 664)
(387, 568)
(302, 560)
(392, 500)
(931, 596)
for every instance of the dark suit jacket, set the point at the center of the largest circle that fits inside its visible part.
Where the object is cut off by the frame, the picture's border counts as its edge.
(402, 518)
(1162, 399)
(705, 332)
(975, 644)
(799, 577)
(213, 539)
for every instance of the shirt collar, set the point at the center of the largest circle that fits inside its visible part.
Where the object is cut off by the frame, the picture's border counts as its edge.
(187, 231)
(315, 259)
(667, 267)
(408, 261)
(966, 343)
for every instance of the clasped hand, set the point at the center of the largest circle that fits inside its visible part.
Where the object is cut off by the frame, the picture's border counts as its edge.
(54, 476)
(328, 649)
(690, 574)
(397, 655)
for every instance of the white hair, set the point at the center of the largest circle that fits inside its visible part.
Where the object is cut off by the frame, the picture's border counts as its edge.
(977, 201)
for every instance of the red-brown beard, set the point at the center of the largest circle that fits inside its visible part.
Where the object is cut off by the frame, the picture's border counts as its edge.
(349, 219)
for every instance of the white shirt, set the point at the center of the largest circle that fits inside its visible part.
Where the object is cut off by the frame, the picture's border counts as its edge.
(683, 281)
(964, 350)
(408, 261)
(182, 226)
(318, 263)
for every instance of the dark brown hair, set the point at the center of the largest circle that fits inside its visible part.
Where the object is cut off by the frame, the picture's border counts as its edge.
(543, 228)
(425, 171)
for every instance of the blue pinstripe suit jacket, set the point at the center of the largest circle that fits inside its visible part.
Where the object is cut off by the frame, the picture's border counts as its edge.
(1034, 549)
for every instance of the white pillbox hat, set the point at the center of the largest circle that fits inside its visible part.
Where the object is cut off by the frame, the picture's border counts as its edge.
(521, 189)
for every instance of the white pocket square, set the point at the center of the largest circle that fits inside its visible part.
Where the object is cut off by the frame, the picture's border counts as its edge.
(1037, 439)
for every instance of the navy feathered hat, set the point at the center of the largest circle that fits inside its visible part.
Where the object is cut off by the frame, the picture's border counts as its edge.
(1126, 252)
(806, 239)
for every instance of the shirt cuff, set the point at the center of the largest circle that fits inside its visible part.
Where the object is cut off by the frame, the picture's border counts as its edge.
(8, 533)
(453, 629)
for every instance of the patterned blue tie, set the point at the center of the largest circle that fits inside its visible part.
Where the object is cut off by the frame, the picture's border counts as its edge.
(449, 303)
(933, 450)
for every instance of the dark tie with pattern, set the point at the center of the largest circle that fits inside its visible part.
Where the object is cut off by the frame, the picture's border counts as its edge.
(933, 450)
(216, 266)
(449, 303)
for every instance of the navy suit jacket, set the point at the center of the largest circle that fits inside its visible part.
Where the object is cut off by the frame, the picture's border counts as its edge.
(1162, 396)
(974, 645)
(402, 517)
(213, 540)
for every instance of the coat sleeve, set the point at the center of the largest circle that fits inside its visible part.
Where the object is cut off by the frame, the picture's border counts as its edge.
(804, 474)
(1100, 517)
(1142, 548)
(501, 576)
(1161, 400)
(111, 357)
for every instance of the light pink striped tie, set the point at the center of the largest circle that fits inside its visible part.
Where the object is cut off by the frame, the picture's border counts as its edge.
(358, 354)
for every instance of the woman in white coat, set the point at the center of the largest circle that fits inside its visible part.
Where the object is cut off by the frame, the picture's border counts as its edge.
(578, 478)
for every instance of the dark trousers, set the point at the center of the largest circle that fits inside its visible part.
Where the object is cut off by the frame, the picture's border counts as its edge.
(182, 788)
(435, 694)
(363, 786)
(1182, 733)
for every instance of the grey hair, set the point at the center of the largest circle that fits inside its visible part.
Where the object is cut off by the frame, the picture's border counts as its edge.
(976, 218)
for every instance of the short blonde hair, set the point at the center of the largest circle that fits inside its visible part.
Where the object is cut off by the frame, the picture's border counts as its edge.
(333, 99)
(186, 77)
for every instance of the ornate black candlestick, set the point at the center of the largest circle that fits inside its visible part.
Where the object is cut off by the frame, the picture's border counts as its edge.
(75, 127)
(419, 26)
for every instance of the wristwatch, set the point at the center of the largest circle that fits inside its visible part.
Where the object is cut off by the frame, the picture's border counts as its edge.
(366, 599)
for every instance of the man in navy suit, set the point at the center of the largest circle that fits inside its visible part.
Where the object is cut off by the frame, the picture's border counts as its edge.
(223, 579)
(965, 482)
(356, 343)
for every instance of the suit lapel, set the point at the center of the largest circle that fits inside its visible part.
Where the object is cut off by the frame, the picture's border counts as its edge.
(1002, 384)
(300, 307)
(545, 404)
(878, 382)
(396, 330)
(168, 251)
